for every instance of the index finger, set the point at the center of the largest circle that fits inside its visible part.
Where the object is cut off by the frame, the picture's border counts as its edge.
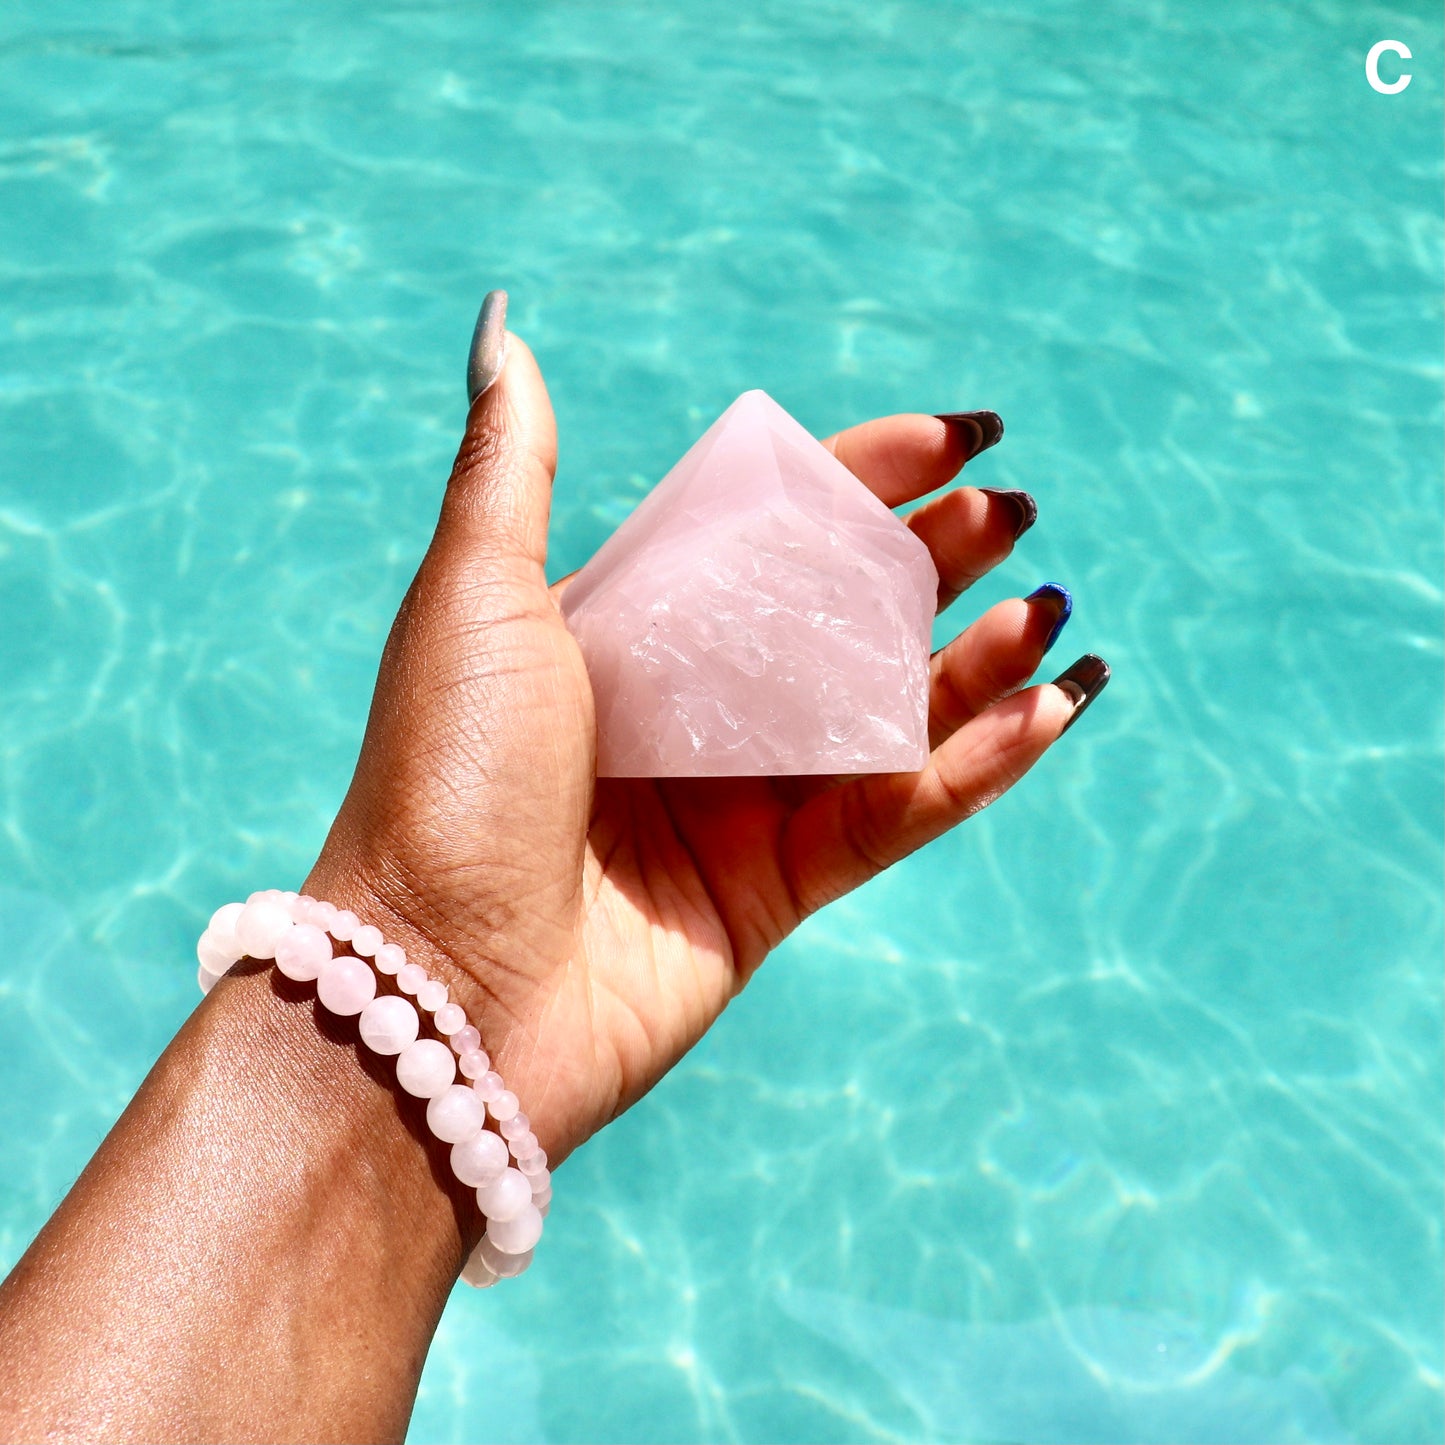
(901, 458)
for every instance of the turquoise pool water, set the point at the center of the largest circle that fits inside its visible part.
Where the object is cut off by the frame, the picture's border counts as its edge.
(1116, 1115)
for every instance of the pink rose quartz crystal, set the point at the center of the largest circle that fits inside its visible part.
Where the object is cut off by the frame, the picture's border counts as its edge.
(761, 612)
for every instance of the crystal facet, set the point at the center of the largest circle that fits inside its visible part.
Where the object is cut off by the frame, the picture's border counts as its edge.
(761, 612)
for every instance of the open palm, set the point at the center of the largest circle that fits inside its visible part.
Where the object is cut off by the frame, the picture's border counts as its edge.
(595, 929)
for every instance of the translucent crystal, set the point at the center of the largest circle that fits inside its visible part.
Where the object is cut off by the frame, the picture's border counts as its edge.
(761, 612)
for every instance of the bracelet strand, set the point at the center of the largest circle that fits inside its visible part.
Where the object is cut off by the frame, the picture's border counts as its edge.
(508, 1168)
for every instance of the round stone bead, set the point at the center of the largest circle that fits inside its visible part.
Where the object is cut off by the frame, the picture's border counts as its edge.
(209, 980)
(215, 956)
(473, 1063)
(222, 928)
(534, 1163)
(344, 925)
(390, 958)
(432, 995)
(261, 927)
(504, 1106)
(501, 1264)
(303, 952)
(425, 1068)
(449, 1018)
(541, 1183)
(388, 1024)
(345, 985)
(506, 1196)
(477, 1272)
(515, 1127)
(410, 977)
(455, 1114)
(324, 915)
(480, 1159)
(366, 940)
(465, 1039)
(542, 1198)
(519, 1233)
(489, 1086)
(523, 1146)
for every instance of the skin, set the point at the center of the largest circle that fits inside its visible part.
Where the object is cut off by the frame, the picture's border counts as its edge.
(262, 1247)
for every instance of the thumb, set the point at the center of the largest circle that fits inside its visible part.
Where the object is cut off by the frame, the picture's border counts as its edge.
(500, 490)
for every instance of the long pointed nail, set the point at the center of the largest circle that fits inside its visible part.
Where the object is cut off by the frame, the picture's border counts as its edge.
(1083, 682)
(489, 345)
(1062, 602)
(983, 429)
(1025, 509)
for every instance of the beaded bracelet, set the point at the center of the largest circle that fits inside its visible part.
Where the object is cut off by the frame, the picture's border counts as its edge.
(508, 1169)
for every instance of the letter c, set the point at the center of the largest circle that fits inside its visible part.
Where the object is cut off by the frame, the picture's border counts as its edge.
(1372, 66)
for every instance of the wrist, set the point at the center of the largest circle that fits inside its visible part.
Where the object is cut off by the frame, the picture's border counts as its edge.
(497, 995)
(350, 1145)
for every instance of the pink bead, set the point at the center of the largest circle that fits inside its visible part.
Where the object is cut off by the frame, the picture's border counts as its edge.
(432, 995)
(541, 1194)
(303, 953)
(261, 926)
(477, 1272)
(366, 940)
(474, 1063)
(489, 1086)
(455, 1114)
(449, 1018)
(465, 1040)
(389, 1024)
(209, 980)
(503, 1106)
(214, 957)
(519, 1233)
(487, 1265)
(524, 1146)
(515, 1127)
(222, 928)
(425, 1068)
(534, 1163)
(411, 977)
(501, 1264)
(480, 1159)
(344, 925)
(325, 915)
(506, 1196)
(391, 958)
(345, 985)
(289, 896)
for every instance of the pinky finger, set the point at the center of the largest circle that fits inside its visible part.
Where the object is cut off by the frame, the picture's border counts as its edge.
(843, 837)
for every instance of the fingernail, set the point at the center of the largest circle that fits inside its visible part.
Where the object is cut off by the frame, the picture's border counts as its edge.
(983, 428)
(1026, 510)
(1084, 681)
(1061, 600)
(489, 345)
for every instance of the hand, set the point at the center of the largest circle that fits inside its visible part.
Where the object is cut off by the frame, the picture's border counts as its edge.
(593, 931)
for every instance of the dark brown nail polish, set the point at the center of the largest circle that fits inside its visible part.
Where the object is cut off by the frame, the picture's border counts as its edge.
(1025, 509)
(1084, 681)
(982, 428)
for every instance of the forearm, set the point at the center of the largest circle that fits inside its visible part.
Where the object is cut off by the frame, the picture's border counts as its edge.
(261, 1248)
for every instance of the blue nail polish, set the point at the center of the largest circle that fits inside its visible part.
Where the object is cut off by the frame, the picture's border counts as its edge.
(1062, 599)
